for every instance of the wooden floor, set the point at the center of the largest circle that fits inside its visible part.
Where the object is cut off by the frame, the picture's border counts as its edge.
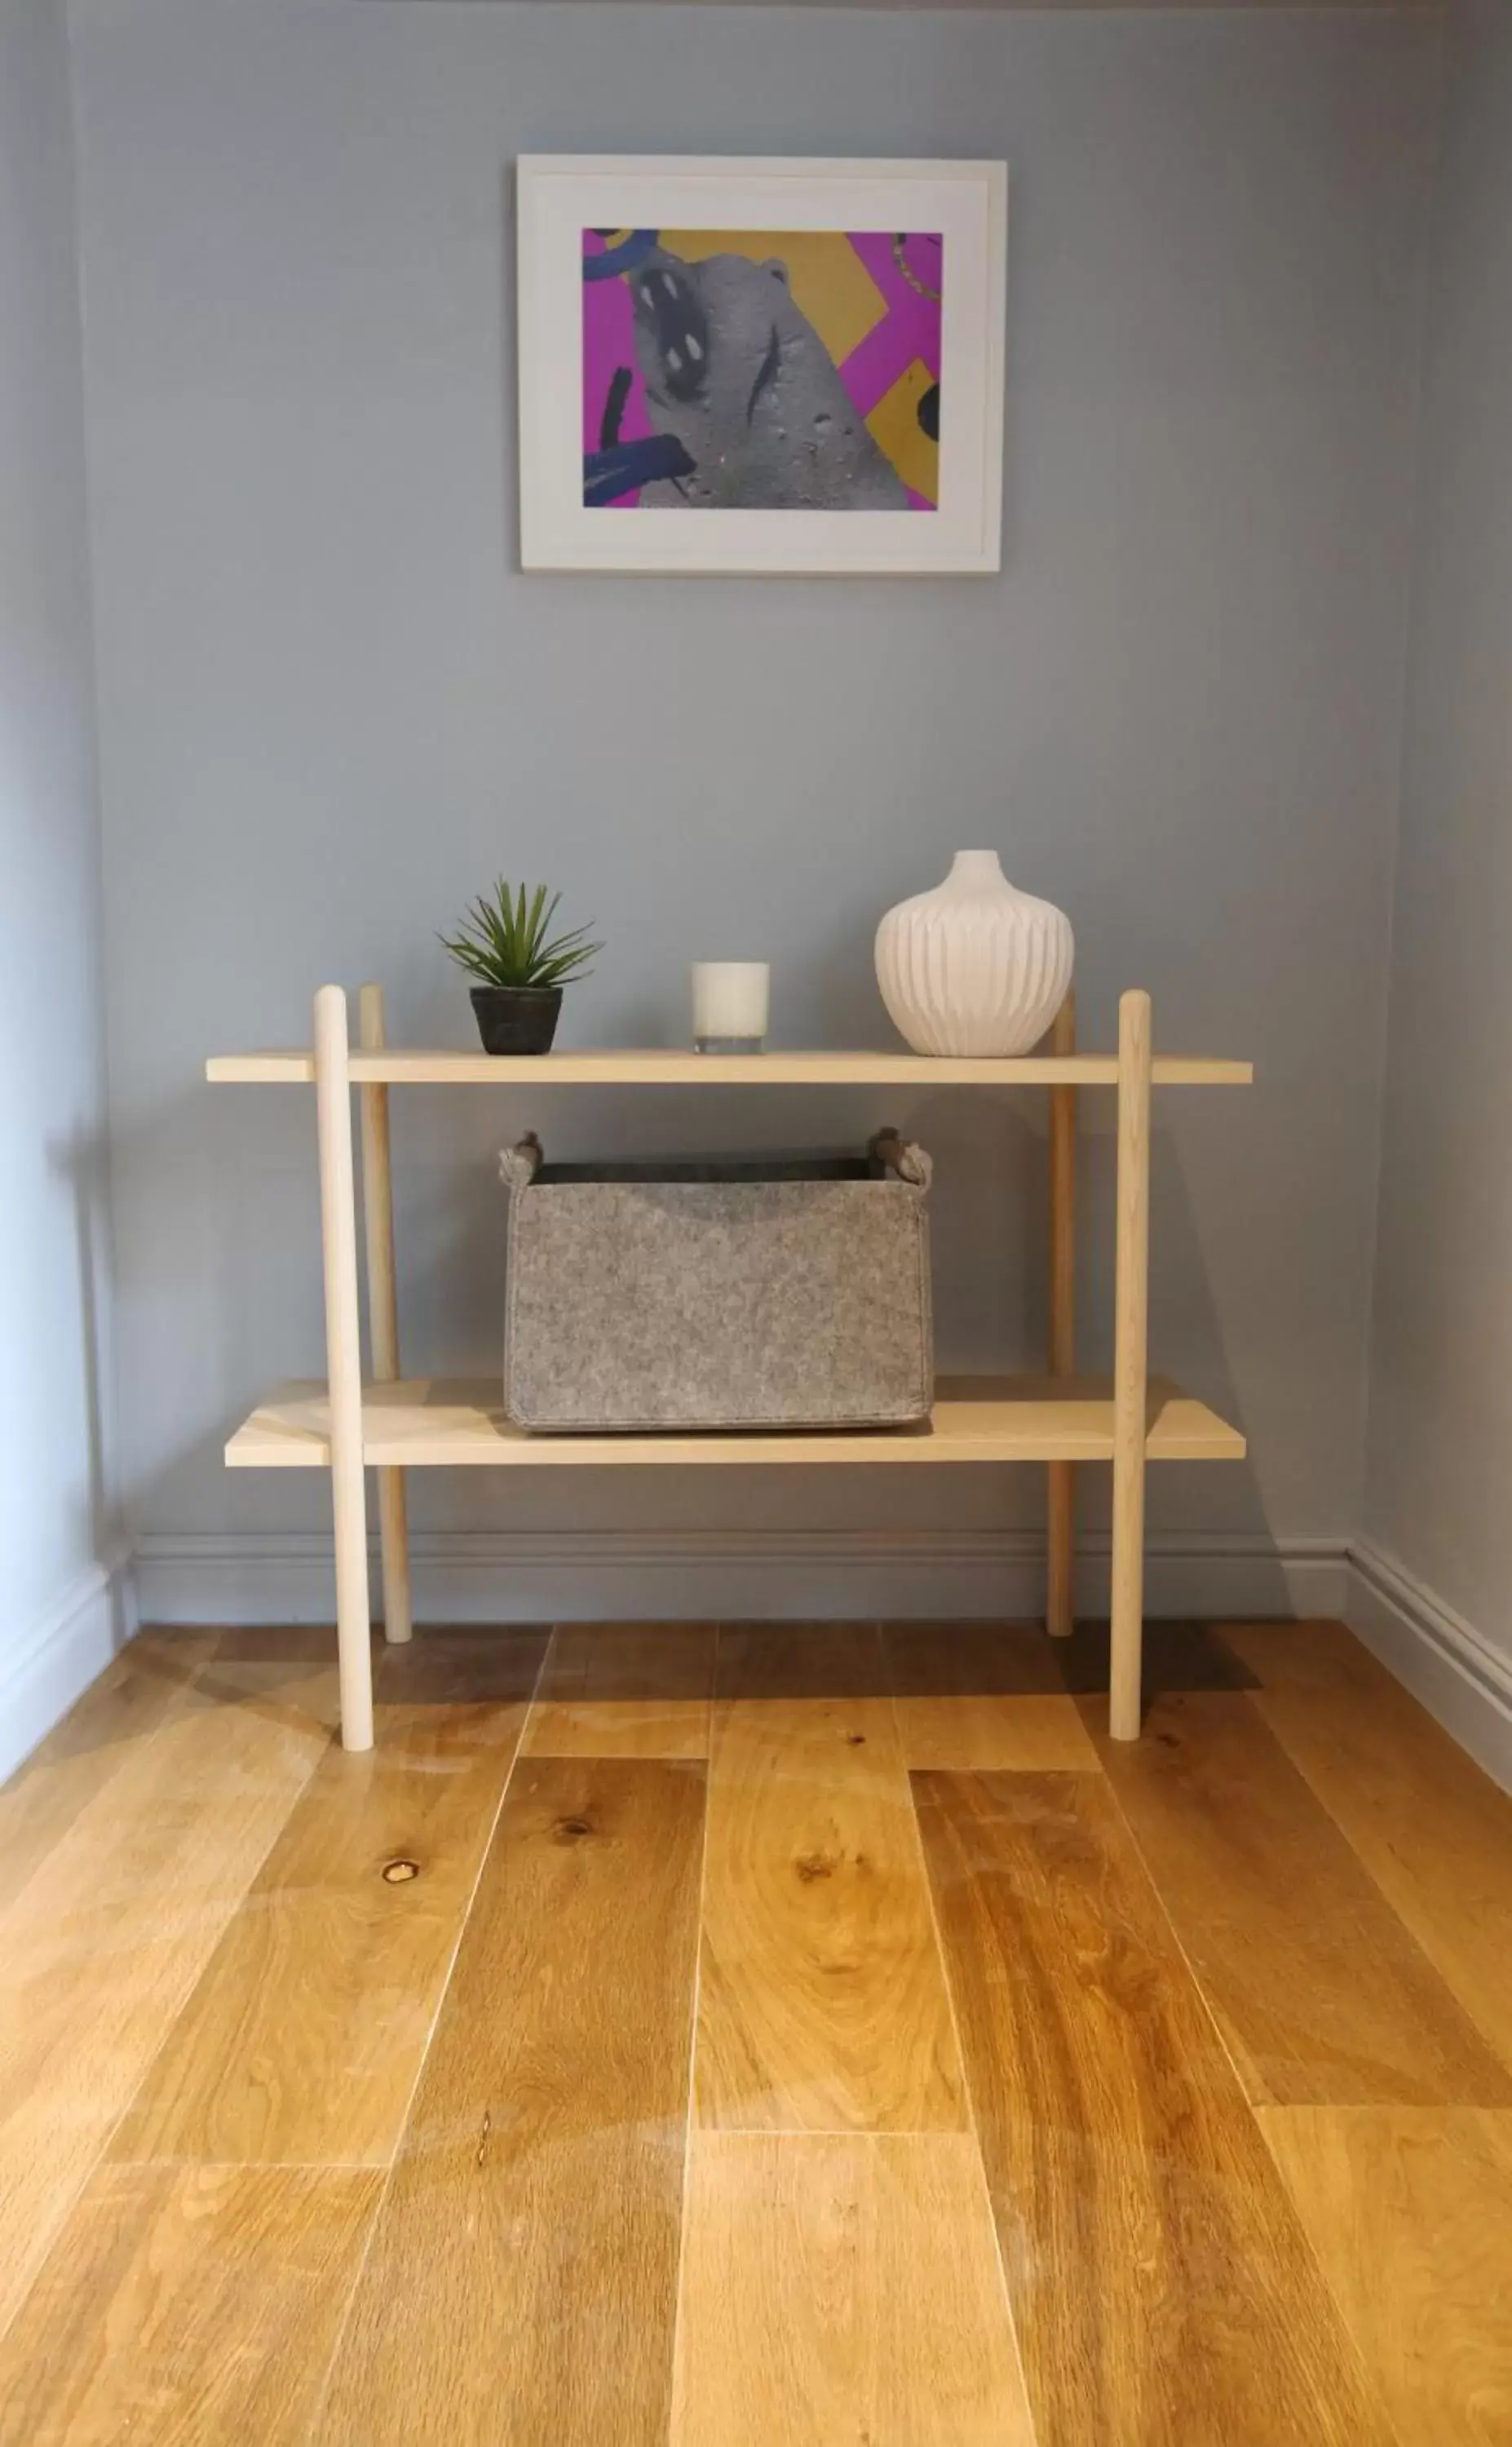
(812, 2034)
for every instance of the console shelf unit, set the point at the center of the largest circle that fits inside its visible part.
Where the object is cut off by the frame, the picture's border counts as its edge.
(394, 1425)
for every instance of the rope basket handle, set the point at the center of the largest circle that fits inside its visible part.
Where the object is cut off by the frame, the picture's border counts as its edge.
(911, 1163)
(519, 1165)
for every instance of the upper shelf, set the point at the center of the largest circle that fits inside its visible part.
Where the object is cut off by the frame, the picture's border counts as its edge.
(612, 1067)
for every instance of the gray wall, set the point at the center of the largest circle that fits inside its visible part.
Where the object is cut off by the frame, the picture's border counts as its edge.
(54, 1627)
(332, 707)
(1437, 1503)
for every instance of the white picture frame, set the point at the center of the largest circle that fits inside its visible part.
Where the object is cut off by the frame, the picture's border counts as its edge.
(562, 195)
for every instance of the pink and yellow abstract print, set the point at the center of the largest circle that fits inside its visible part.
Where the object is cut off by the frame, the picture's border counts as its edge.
(795, 369)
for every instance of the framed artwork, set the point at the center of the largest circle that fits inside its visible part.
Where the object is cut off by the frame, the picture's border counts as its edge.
(762, 365)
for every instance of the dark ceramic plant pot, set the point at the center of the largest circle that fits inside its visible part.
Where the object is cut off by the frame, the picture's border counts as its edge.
(516, 1019)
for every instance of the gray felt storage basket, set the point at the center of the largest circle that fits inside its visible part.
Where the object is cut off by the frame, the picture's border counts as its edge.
(760, 1295)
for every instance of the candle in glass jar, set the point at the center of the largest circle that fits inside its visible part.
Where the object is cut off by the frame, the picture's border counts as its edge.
(731, 1002)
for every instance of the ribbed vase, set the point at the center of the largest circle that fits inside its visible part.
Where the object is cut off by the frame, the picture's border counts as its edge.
(973, 967)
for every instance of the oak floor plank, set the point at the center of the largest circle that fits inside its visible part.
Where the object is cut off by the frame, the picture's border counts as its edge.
(467, 1664)
(1433, 1830)
(1179, 1655)
(181, 2306)
(840, 2288)
(800, 1660)
(822, 2004)
(1409, 2212)
(979, 1695)
(1325, 1997)
(625, 1691)
(305, 2032)
(522, 2279)
(1162, 2290)
(286, 1673)
(120, 1710)
(107, 1937)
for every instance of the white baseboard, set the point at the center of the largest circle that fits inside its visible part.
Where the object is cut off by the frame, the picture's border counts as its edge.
(1442, 1660)
(73, 1644)
(718, 1575)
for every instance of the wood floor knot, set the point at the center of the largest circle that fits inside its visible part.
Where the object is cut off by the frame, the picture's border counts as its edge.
(399, 1873)
(572, 1831)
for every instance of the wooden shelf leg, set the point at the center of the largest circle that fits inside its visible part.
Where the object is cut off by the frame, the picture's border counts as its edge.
(338, 1232)
(383, 1312)
(1130, 1367)
(1060, 1521)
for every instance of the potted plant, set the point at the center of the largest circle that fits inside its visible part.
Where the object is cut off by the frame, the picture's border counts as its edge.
(506, 943)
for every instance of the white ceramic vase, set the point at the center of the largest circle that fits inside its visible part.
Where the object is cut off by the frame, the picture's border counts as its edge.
(973, 967)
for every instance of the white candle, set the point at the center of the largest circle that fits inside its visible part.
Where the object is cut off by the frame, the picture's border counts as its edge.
(731, 1004)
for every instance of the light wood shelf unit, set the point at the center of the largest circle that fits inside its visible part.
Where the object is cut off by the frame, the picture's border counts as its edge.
(393, 1425)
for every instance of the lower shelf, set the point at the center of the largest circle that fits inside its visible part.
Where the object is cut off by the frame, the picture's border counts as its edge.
(429, 1423)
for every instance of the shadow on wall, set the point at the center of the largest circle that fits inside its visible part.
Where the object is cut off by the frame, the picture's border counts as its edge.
(82, 1161)
(1234, 1558)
